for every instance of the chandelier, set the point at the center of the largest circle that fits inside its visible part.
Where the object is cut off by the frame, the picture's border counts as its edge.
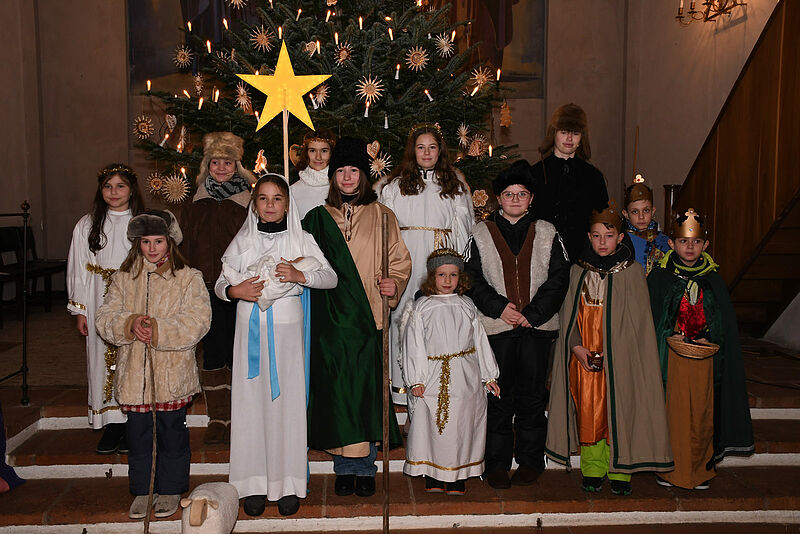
(708, 12)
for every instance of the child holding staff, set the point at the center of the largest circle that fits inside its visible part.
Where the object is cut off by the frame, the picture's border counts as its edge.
(447, 362)
(156, 311)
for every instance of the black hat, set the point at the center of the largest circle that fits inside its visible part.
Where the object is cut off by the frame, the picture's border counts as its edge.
(349, 151)
(518, 173)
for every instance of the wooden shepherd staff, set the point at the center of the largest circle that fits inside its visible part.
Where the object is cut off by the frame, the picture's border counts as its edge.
(386, 405)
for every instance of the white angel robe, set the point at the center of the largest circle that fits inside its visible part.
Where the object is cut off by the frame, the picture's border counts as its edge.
(88, 276)
(427, 222)
(446, 349)
(268, 435)
(310, 190)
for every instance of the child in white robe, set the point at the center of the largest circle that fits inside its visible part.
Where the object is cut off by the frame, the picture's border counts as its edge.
(448, 366)
(266, 267)
(99, 245)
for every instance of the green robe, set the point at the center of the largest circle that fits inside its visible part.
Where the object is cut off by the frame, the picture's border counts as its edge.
(346, 374)
(637, 423)
(733, 431)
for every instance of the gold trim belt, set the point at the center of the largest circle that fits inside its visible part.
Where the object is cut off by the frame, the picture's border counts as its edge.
(443, 403)
(441, 236)
(105, 273)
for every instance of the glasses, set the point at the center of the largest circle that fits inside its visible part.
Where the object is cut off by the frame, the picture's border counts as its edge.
(508, 195)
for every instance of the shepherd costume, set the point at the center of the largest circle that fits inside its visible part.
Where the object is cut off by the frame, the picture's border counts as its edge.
(523, 263)
(427, 222)
(210, 222)
(270, 366)
(707, 403)
(618, 412)
(345, 392)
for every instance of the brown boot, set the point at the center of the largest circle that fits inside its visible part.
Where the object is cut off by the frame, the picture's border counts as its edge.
(217, 390)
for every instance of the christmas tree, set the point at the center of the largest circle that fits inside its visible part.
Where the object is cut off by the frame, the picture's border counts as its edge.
(393, 63)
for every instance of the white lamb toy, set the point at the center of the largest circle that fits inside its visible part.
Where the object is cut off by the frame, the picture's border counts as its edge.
(212, 508)
(264, 268)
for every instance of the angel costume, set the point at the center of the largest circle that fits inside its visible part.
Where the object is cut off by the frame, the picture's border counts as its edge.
(311, 190)
(427, 222)
(446, 350)
(88, 278)
(270, 362)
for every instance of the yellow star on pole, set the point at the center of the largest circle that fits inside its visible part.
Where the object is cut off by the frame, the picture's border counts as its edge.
(284, 90)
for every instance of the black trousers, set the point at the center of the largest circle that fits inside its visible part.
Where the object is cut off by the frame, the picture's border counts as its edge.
(173, 456)
(516, 424)
(218, 342)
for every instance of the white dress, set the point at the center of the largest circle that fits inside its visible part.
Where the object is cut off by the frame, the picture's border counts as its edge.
(310, 190)
(268, 454)
(88, 277)
(427, 221)
(445, 343)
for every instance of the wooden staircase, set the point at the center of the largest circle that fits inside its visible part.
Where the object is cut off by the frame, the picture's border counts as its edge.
(746, 178)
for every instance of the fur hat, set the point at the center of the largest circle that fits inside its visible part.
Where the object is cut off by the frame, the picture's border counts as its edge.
(155, 222)
(444, 256)
(572, 118)
(349, 151)
(223, 145)
(519, 173)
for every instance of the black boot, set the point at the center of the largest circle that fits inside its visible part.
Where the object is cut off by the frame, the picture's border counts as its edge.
(113, 434)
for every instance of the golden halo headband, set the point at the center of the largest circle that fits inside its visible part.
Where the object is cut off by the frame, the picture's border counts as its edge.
(116, 170)
(426, 125)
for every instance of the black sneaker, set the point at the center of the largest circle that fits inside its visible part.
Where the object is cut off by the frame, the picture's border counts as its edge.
(662, 482)
(365, 486)
(433, 486)
(254, 505)
(703, 485)
(123, 444)
(456, 488)
(344, 485)
(288, 505)
(113, 433)
(621, 487)
(592, 484)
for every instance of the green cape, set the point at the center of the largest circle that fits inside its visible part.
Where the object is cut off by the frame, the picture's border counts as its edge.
(346, 376)
(733, 431)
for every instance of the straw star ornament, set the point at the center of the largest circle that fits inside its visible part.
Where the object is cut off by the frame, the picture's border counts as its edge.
(284, 89)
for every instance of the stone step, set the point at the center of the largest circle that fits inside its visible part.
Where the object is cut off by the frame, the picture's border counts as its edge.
(75, 447)
(751, 495)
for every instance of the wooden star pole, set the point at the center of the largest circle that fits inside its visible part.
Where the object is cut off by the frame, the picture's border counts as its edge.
(284, 90)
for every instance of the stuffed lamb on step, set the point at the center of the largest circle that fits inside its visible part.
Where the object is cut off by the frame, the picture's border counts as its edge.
(211, 508)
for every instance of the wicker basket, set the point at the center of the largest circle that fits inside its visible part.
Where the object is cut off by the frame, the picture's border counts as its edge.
(694, 351)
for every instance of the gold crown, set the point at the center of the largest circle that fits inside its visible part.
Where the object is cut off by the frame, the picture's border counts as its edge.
(109, 171)
(426, 125)
(691, 226)
(638, 191)
(609, 216)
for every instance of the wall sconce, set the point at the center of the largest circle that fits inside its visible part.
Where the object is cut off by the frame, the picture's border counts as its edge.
(708, 12)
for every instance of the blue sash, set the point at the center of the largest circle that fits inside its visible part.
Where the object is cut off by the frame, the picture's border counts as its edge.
(254, 350)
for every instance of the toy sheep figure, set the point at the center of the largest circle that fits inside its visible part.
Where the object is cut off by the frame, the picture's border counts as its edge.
(211, 508)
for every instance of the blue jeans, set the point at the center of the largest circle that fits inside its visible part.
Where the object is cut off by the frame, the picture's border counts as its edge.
(361, 467)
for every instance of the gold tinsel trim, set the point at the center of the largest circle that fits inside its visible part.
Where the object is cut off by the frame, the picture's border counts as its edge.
(77, 305)
(105, 273)
(443, 403)
(111, 366)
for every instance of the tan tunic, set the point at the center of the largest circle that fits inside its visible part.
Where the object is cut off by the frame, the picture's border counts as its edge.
(365, 248)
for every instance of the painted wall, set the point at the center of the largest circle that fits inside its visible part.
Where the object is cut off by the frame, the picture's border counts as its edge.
(65, 101)
(678, 78)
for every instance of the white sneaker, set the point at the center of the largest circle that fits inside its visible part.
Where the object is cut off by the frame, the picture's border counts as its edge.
(166, 505)
(661, 482)
(139, 506)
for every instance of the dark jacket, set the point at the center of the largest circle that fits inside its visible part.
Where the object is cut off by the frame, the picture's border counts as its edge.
(548, 298)
(565, 191)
